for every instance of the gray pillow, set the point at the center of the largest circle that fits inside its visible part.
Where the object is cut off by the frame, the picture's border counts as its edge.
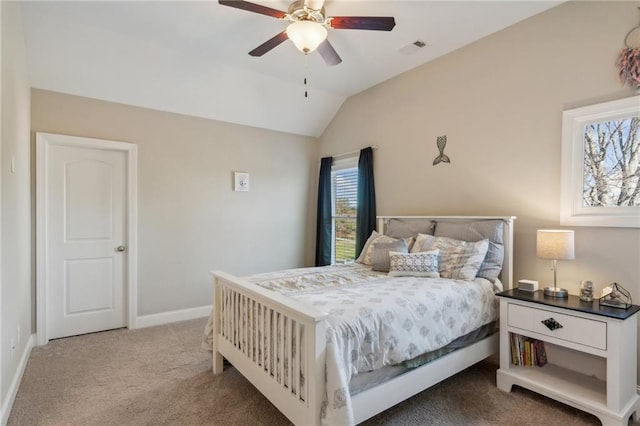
(491, 230)
(365, 255)
(398, 228)
(380, 254)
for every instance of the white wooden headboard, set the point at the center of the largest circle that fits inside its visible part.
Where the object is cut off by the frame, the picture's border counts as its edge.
(506, 276)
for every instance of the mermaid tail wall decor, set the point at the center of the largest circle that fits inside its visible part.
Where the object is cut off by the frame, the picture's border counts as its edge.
(442, 158)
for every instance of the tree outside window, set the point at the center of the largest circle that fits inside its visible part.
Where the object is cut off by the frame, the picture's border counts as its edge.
(345, 195)
(601, 165)
(612, 163)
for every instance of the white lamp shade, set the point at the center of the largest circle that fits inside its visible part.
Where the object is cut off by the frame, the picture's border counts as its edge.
(306, 35)
(555, 244)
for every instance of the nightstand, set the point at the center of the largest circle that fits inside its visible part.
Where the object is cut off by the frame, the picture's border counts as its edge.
(606, 335)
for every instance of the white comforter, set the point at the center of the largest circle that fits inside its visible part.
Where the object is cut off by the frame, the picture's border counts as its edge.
(375, 320)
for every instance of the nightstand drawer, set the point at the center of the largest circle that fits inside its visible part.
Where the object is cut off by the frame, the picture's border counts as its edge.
(574, 329)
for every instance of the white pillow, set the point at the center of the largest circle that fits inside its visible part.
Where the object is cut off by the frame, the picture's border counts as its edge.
(459, 260)
(423, 264)
(417, 245)
(365, 255)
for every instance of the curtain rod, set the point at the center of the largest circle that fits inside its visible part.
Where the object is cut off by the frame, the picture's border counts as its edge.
(346, 154)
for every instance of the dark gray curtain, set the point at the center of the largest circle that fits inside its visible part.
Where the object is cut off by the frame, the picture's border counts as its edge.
(366, 220)
(323, 225)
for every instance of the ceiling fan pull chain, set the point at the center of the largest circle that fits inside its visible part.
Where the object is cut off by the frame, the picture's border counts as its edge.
(306, 94)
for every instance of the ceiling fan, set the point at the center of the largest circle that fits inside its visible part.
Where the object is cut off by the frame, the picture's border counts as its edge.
(308, 26)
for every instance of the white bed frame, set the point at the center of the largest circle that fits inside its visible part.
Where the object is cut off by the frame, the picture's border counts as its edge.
(236, 304)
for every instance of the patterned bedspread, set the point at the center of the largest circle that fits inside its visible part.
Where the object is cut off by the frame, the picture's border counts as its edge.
(376, 320)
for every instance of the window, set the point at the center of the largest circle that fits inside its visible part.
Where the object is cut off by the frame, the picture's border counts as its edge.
(344, 196)
(601, 165)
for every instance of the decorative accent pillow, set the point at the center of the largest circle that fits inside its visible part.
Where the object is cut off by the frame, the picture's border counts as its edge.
(380, 254)
(459, 260)
(365, 255)
(423, 264)
(398, 228)
(492, 230)
(419, 243)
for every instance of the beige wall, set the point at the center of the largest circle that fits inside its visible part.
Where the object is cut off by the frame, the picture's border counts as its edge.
(15, 288)
(190, 219)
(500, 103)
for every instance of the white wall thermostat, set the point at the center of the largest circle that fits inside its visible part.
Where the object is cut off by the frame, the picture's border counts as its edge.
(527, 285)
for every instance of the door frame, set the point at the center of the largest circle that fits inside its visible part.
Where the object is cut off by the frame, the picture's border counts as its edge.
(43, 142)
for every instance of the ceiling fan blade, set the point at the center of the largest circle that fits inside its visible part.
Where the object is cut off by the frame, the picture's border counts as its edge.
(252, 7)
(328, 53)
(376, 23)
(269, 44)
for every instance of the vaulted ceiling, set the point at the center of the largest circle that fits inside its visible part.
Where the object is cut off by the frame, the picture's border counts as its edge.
(191, 57)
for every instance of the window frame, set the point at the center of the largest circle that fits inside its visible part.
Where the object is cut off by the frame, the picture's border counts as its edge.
(572, 210)
(338, 165)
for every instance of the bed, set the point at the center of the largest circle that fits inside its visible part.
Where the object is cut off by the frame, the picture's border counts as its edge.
(340, 344)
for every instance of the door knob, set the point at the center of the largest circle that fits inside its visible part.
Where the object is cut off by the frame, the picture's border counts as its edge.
(120, 248)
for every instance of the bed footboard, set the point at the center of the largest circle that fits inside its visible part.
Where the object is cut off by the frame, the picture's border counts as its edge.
(276, 342)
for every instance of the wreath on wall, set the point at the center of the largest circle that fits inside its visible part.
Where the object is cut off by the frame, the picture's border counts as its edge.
(629, 60)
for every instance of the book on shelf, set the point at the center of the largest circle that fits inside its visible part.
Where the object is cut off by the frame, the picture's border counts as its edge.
(514, 351)
(541, 354)
(526, 351)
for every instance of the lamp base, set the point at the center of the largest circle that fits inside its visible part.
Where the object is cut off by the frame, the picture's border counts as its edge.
(556, 292)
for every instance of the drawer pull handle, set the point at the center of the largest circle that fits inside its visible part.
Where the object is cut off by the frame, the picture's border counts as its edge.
(551, 324)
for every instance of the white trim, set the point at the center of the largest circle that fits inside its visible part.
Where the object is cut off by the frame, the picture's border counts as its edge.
(41, 241)
(572, 211)
(132, 234)
(173, 316)
(7, 403)
(43, 142)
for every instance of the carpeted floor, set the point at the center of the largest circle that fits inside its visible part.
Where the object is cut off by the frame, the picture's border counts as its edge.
(161, 376)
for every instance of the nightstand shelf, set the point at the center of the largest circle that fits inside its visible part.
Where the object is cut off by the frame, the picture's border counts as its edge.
(556, 382)
(587, 332)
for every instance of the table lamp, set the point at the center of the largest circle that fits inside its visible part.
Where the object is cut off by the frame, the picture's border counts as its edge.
(555, 244)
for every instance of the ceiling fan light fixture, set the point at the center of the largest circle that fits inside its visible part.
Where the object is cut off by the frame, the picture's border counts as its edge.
(306, 35)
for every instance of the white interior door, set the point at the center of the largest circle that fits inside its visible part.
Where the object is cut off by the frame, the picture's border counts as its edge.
(86, 238)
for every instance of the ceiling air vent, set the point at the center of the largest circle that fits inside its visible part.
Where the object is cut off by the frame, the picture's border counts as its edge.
(412, 48)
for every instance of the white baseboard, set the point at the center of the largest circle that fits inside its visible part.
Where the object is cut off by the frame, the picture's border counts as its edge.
(172, 316)
(7, 404)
